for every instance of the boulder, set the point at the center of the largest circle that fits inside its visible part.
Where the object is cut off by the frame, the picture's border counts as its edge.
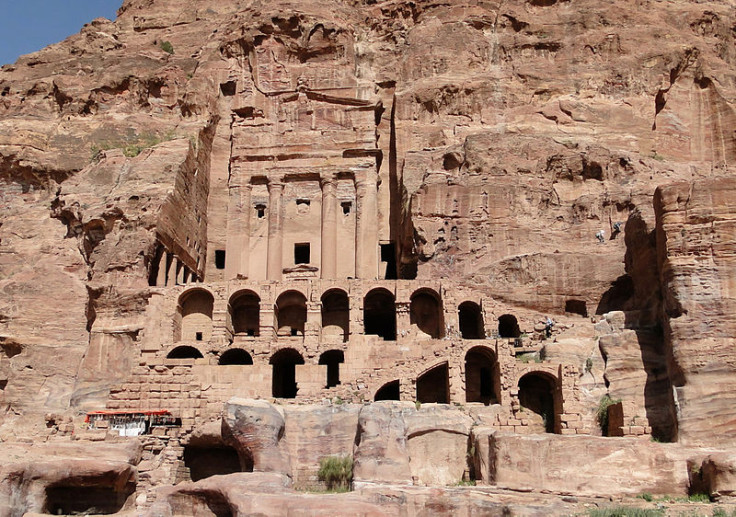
(255, 429)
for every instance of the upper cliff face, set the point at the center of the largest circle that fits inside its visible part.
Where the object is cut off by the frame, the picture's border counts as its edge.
(510, 133)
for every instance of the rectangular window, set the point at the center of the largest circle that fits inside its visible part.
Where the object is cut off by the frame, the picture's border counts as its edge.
(199, 336)
(301, 253)
(220, 259)
(346, 206)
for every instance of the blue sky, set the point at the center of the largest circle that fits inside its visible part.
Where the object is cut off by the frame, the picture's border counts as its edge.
(30, 25)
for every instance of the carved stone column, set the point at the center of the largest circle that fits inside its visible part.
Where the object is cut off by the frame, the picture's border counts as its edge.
(161, 278)
(238, 232)
(366, 227)
(329, 228)
(171, 263)
(274, 268)
(403, 319)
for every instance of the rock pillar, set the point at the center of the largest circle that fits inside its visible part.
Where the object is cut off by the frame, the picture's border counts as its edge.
(161, 278)
(329, 227)
(171, 270)
(403, 319)
(274, 268)
(238, 232)
(366, 228)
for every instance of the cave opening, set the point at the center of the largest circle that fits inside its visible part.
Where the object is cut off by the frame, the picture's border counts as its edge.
(204, 462)
(88, 496)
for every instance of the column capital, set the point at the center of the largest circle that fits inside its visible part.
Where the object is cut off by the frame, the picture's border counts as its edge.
(328, 180)
(366, 178)
(275, 182)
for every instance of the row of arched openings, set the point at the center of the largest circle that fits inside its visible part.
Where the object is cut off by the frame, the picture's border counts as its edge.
(537, 390)
(284, 364)
(538, 393)
(379, 315)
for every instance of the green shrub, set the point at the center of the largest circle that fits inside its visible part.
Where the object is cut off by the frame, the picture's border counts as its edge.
(601, 413)
(646, 496)
(336, 472)
(625, 511)
(699, 498)
(462, 482)
(132, 145)
(167, 47)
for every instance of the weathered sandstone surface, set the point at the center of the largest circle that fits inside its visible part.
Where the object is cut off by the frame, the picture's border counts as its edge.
(453, 242)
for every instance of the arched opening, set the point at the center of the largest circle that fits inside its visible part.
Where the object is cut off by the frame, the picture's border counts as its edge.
(508, 326)
(195, 311)
(471, 321)
(332, 358)
(336, 314)
(291, 313)
(426, 312)
(100, 495)
(204, 462)
(379, 314)
(245, 309)
(389, 391)
(482, 379)
(433, 386)
(184, 352)
(283, 382)
(235, 356)
(537, 395)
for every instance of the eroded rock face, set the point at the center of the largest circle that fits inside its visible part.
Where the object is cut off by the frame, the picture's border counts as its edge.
(397, 443)
(599, 466)
(68, 478)
(256, 430)
(695, 228)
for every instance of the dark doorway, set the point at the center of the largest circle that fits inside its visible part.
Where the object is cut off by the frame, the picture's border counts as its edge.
(434, 385)
(291, 310)
(576, 307)
(235, 356)
(426, 313)
(283, 384)
(246, 313)
(332, 358)
(482, 381)
(336, 313)
(389, 391)
(471, 321)
(204, 462)
(379, 314)
(508, 326)
(537, 394)
(388, 257)
(185, 352)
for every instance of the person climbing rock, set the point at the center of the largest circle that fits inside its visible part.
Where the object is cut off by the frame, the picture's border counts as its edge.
(548, 327)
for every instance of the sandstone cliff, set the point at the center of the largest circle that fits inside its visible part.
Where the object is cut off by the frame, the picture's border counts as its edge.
(494, 139)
